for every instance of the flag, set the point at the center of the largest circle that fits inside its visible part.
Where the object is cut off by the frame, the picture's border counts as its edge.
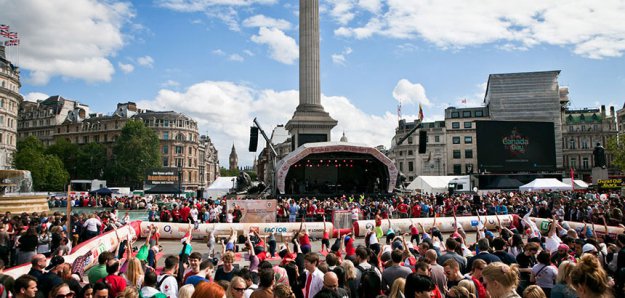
(12, 35)
(420, 112)
(572, 178)
(464, 100)
(4, 27)
(4, 33)
(399, 111)
(12, 42)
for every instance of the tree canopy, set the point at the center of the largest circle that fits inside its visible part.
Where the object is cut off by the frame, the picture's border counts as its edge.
(617, 150)
(136, 151)
(47, 170)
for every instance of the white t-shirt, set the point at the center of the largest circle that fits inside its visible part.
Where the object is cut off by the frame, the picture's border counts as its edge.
(92, 224)
(552, 243)
(169, 286)
(355, 214)
(373, 239)
(194, 214)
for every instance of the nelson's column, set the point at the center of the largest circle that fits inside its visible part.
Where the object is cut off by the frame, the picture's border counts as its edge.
(310, 122)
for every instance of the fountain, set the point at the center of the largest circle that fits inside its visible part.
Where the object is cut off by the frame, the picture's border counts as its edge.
(16, 193)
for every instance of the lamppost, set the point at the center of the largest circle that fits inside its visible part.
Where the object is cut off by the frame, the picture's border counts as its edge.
(179, 179)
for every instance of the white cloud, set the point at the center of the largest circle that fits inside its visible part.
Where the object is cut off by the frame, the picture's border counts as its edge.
(340, 58)
(268, 22)
(219, 52)
(372, 6)
(282, 47)
(342, 10)
(409, 93)
(592, 29)
(201, 5)
(146, 61)
(236, 57)
(77, 45)
(249, 53)
(170, 83)
(126, 68)
(239, 104)
(34, 96)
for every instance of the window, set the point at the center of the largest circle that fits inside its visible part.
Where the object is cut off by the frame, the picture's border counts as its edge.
(410, 140)
(466, 114)
(457, 169)
(166, 135)
(467, 125)
(401, 164)
(455, 140)
(85, 139)
(469, 168)
(585, 163)
(455, 114)
(468, 153)
(178, 149)
(165, 161)
(410, 152)
(573, 162)
(455, 125)
(410, 166)
(479, 113)
(468, 140)
(165, 149)
(190, 150)
(166, 123)
(456, 154)
(437, 139)
(572, 143)
(189, 162)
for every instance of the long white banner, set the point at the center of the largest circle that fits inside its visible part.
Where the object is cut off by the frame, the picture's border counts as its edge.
(178, 230)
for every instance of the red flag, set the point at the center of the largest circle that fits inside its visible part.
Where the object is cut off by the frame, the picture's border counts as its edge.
(572, 178)
(420, 112)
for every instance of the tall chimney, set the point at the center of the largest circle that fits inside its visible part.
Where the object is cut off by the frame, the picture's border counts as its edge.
(603, 110)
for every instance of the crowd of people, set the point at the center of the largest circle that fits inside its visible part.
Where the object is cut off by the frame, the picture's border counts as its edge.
(517, 260)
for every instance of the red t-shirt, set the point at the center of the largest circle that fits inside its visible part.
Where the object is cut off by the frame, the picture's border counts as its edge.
(481, 291)
(414, 230)
(116, 283)
(187, 275)
(184, 212)
(402, 208)
(350, 250)
(416, 210)
(304, 240)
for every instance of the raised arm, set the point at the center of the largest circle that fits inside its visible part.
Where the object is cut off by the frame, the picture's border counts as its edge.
(553, 228)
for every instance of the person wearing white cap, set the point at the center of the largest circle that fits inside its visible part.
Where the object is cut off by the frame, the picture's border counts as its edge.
(590, 249)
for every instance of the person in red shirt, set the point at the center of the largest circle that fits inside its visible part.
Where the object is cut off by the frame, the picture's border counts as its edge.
(414, 232)
(325, 240)
(116, 283)
(402, 208)
(176, 214)
(350, 250)
(304, 239)
(416, 210)
(184, 213)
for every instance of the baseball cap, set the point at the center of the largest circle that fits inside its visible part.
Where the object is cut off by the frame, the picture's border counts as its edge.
(489, 234)
(588, 248)
(56, 260)
(563, 247)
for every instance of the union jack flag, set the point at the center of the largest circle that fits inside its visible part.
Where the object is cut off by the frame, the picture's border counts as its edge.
(12, 35)
(12, 42)
(4, 27)
(4, 33)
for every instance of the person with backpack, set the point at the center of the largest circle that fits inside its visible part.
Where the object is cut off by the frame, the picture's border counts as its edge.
(368, 277)
(167, 282)
(149, 289)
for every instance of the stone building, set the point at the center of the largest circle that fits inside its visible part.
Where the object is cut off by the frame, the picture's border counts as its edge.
(620, 116)
(10, 101)
(233, 159)
(406, 155)
(461, 139)
(180, 142)
(582, 129)
(41, 118)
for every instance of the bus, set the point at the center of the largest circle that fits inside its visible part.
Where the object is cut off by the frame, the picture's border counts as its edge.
(83, 187)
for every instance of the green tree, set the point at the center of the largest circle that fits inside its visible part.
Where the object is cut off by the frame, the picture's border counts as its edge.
(46, 169)
(223, 172)
(91, 161)
(617, 150)
(68, 153)
(136, 151)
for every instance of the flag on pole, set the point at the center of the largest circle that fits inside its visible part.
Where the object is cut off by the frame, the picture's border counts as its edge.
(464, 100)
(399, 111)
(12, 42)
(572, 178)
(420, 112)
(4, 33)
(12, 35)
(4, 27)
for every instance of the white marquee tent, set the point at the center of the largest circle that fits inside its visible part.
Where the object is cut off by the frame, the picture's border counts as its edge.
(579, 184)
(436, 184)
(220, 187)
(545, 184)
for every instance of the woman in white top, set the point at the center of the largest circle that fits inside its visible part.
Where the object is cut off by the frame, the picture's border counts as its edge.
(543, 274)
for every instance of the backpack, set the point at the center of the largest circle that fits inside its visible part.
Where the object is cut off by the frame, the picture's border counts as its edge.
(160, 282)
(370, 283)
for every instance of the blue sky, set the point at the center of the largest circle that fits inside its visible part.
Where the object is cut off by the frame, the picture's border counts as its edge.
(224, 62)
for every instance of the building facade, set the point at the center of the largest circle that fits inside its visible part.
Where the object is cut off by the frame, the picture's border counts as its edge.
(462, 139)
(180, 142)
(10, 101)
(41, 118)
(620, 119)
(582, 130)
(233, 159)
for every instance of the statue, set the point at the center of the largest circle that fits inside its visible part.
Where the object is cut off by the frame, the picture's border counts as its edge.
(599, 156)
(243, 181)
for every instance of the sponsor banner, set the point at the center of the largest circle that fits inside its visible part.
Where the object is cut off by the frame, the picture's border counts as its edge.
(178, 230)
(543, 225)
(610, 183)
(89, 250)
(444, 224)
(165, 176)
(255, 210)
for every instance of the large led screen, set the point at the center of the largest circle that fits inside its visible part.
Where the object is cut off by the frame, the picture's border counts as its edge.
(513, 146)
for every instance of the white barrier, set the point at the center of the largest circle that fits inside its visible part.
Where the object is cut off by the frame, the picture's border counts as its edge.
(543, 225)
(444, 224)
(105, 242)
(178, 230)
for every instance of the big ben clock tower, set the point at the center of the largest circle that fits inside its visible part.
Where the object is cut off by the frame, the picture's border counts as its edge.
(234, 159)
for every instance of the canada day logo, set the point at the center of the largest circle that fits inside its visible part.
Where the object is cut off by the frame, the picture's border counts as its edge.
(516, 143)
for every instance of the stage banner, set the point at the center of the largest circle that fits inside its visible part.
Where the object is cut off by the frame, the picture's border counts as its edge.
(255, 211)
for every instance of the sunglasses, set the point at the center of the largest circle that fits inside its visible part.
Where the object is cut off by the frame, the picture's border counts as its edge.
(239, 289)
(68, 295)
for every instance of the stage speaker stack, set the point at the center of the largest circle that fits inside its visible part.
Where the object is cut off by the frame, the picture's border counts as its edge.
(423, 139)
(253, 139)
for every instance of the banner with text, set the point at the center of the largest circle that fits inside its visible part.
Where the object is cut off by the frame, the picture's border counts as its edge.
(255, 211)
